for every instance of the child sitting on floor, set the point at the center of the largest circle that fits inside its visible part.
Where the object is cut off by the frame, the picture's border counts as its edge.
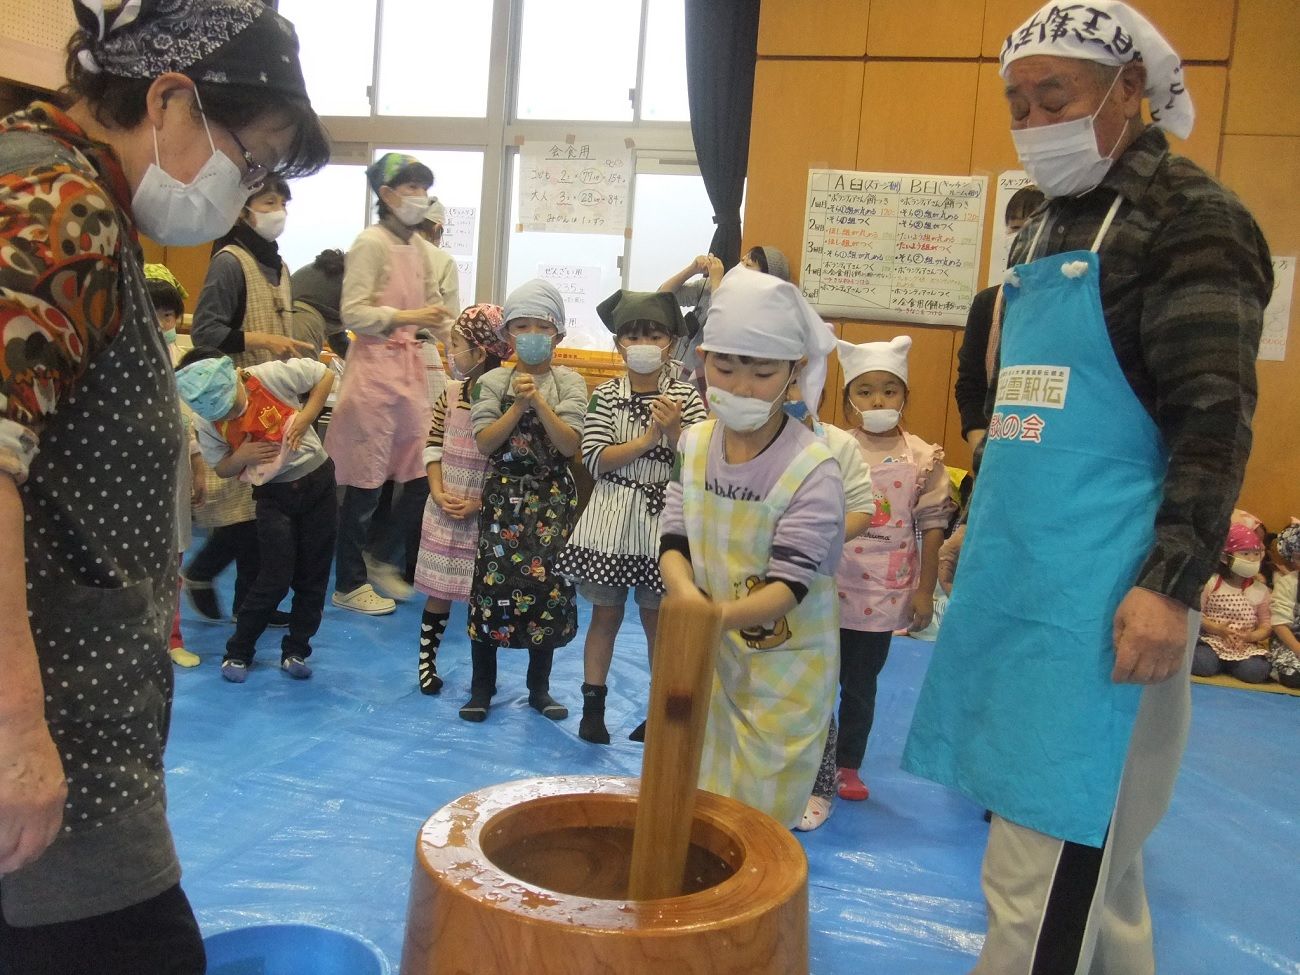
(1285, 647)
(1235, 613)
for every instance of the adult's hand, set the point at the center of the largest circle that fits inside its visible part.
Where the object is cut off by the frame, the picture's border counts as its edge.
(280, 346)
(1150, 637)
(430, 316)
(32, 792)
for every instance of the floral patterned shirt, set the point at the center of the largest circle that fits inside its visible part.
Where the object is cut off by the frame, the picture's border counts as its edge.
(60, 249)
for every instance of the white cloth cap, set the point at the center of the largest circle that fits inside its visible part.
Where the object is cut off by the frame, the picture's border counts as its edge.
(757, 315)
(1108, 32)
(888, 357)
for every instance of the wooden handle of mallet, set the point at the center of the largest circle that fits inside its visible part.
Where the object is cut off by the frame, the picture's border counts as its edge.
(680, 684)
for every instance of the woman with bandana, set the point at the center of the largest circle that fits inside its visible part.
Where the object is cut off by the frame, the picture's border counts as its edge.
(178, 110)
(394, 285)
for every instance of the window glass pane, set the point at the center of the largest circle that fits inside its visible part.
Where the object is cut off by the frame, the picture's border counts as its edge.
(328, 210)
(663, 84)
(337, 44)
(578, 59)
(433, 58)
(458, 183)
(672, 222)
(583, 266)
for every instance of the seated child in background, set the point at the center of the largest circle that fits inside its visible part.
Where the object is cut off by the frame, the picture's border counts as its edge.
(1235, 613)
(169, 308)
(253, 424)
(629, 439)
(455, 468)
(754, 521)
(1285, 606)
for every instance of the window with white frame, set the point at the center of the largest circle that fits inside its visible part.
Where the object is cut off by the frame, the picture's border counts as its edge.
(461, 86)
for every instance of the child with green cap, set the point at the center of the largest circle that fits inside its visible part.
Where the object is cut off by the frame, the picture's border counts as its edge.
(629, 436)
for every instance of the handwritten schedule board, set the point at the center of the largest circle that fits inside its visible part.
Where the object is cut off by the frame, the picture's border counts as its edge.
(892, 246)
(578, 188)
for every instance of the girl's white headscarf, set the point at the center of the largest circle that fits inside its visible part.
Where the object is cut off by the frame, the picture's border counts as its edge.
(1109, 32)
(758, 315)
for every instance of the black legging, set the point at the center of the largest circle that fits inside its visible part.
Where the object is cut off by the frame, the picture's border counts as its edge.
(862, 656)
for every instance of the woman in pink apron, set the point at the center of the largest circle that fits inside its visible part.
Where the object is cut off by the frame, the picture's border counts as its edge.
(884, 582)
(381, 419)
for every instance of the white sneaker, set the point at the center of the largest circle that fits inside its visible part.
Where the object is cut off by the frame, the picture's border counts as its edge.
(364, 599)
(387, 580)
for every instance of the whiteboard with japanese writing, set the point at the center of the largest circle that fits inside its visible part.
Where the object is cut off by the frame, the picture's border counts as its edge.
(892, 246)
(576, 188)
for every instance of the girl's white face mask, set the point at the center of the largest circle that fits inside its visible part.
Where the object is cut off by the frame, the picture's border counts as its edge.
(644, 359)
(879, 421)
(1062, 159)
(184, 214)
(1244, 567)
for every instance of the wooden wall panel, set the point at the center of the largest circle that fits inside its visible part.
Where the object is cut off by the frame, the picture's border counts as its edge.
(805, 116)
(1263, 91)
(933, 29)
(1265, 171)
(992, 150)
(929, 367)
(1200, 31)
(917, 116)
(813, 28)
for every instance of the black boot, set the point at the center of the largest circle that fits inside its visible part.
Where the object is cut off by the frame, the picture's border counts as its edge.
(592, 727)
(539, 684)
(637, 733)
(432, 626)
(484, 682)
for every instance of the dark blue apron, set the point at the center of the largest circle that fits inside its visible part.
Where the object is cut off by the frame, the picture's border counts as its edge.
(1018, 710)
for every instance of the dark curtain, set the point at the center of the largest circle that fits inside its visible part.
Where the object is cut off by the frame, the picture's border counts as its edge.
(721, 50)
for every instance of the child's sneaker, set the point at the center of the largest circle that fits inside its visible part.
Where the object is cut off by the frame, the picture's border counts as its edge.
(388, 581)
(202, 597)
(815, 814)
(849, 785)
(183, 658)
(364, 599)
(235, 671)
(295, 667)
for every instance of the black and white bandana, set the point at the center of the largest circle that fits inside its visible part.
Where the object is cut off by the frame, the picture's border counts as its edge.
(218, 41)
(1109, 32)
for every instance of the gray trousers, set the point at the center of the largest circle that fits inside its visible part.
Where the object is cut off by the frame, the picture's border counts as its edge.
(1058, 908)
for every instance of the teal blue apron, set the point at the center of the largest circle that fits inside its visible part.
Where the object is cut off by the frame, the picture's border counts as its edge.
(1018, 710)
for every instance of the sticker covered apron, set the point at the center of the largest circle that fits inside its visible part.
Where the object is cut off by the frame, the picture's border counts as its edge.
(379, 424)
(774, 686)
(878, 572)
(530, 503)
(1018, 710)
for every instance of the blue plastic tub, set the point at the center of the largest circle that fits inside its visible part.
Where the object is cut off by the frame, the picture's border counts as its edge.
(293, 949)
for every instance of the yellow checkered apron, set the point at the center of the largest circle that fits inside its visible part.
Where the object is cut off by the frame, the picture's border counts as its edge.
(774, 687)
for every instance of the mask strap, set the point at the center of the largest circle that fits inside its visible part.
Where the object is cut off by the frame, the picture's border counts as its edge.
(199, 101)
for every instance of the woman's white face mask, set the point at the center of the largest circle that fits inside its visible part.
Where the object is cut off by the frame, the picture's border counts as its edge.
(184, 214)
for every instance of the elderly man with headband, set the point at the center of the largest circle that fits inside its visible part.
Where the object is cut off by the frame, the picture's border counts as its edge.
(1118, 437)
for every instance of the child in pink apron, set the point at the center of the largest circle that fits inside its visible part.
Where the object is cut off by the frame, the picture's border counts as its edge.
(380, 422)
(455, 467)
(884, 582)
